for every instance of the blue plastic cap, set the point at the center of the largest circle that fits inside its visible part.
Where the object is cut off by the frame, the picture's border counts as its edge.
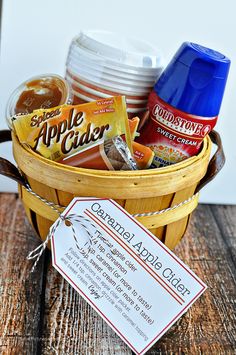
(194, 81)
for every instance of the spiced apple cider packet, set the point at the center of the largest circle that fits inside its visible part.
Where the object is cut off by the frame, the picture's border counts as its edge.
(63, 130)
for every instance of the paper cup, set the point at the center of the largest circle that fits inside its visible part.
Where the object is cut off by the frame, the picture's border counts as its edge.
(76, 58)
(107, 88)
(109, 80)
(82, 88)
(101, 64)
(90, 97)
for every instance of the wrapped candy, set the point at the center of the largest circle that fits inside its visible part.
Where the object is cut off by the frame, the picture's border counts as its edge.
(112, 154)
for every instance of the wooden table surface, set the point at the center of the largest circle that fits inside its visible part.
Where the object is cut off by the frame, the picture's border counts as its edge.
(40, 313)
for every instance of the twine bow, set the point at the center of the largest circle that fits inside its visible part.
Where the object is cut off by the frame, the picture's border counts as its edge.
(69, 221)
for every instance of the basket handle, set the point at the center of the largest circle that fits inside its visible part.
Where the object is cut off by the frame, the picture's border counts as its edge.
(215, 165)
(6, 167)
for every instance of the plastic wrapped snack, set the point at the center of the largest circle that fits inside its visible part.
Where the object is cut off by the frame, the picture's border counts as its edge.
(63, 130)
(112, 154)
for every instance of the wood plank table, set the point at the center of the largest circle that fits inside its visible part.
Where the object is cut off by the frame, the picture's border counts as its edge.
(41, 314)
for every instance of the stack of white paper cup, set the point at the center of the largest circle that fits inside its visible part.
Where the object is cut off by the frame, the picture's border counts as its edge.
(101, 64)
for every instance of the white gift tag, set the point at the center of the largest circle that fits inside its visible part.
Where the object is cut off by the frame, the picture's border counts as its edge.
(137, 285)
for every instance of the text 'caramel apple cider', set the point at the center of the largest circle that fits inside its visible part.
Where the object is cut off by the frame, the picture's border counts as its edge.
(185, 103)
(43, 91)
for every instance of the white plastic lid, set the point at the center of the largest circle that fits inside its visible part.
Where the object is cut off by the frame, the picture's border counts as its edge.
(89, 77)
(120, 49)
(76, 51)
(86, 62)
(102, 76)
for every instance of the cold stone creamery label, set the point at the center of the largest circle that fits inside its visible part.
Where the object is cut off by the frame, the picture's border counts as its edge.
(58, 132)
(172, 134)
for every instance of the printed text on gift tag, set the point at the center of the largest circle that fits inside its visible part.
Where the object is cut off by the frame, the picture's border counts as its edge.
(125, 273)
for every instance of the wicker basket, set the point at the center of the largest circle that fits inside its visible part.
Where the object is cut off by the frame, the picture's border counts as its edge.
(137, 191)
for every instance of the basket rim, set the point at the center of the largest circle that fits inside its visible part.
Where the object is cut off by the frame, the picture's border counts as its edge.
(116, 174)
(111, 184)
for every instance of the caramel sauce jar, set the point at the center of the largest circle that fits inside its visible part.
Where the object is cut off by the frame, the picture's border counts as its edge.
(43, 91)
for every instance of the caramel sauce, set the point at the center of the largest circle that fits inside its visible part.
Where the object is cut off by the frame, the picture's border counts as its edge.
(41, 93)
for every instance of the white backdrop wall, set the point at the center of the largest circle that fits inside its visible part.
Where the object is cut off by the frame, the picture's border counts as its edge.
(36, 35)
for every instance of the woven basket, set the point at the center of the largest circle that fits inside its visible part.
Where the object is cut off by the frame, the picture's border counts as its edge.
(137, 191)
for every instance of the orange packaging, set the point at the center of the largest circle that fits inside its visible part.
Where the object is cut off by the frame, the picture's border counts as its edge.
(143, 155)
(63, 130)
(133, 126)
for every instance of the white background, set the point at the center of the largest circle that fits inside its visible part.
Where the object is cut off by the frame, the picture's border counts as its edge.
(36, 36)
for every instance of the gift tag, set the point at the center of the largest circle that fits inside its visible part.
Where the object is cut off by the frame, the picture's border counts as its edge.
(137, 285)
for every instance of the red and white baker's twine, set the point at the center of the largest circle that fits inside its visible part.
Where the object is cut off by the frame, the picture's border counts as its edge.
(70, 218)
